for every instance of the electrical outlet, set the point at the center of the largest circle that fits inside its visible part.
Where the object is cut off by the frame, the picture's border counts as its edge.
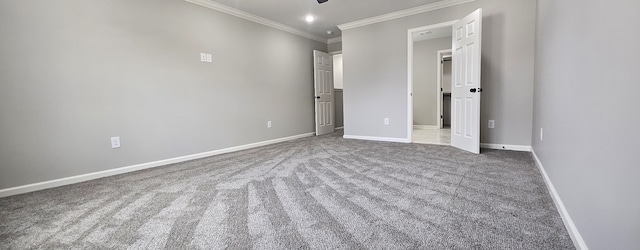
(541, 132)
(115, 142)
(206, 57)
(386, 121)
(268, 124)
(492, 123)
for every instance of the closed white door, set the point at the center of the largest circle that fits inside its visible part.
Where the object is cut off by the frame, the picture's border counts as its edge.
(323, 88)
(466, 88)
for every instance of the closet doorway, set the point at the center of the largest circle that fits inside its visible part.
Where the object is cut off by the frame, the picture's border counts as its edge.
(444, 88)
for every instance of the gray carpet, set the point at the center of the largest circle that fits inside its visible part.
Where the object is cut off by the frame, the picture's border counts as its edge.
(314, 193)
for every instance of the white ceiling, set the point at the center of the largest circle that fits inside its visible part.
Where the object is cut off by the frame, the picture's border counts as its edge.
(328, 15)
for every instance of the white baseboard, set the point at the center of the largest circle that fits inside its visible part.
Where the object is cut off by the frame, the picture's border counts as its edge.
(95, 175)
(339, 127)
(578, 242)
(425, 127)
(506, 147)
(371, 138)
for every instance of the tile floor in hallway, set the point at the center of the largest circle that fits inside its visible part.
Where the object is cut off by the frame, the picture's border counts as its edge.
(432, 136)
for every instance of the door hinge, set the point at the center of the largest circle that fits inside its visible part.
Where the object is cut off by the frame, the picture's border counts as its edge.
(441, 89)
(441, 117)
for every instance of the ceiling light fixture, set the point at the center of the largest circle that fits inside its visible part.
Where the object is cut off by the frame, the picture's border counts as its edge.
(309, 18)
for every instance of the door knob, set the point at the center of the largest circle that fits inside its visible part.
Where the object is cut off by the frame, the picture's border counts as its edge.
(476, 90)
(317, 97)
(472, 90)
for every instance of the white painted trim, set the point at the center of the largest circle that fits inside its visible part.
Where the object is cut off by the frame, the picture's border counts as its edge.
(251, 17)
(439, 86)
(95, 175)
(506, 147)
(336, 52)
(577, 239)
(334, 40)
(340, 127)
(371, 138)
(425, 127)
(409, 85)
(403, 13)
(410, 70)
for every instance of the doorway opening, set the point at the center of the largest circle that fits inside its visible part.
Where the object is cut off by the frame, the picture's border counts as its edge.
(430, 84)
(466, 45)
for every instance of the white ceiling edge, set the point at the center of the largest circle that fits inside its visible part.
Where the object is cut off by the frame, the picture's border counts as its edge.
(335, 40)
(256, 19)
(403, 13)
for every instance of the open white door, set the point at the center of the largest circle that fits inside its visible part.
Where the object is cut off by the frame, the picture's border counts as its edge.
(466, 89)
(323, 88)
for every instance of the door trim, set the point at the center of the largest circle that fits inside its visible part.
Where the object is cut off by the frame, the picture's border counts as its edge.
(410, 69)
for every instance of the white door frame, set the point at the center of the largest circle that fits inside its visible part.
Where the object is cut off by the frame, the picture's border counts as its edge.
(410, 33)
(440, 85)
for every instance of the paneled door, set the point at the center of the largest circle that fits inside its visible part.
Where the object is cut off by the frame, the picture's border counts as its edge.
(323, 89)
(466, 88)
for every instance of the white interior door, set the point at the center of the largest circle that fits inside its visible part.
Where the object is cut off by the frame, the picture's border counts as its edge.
(323, 88)
(466, 88)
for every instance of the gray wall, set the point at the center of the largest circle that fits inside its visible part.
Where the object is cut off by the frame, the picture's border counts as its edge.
(75, 73)
(425, 80)
(375, 71)
(333, 47)
(587, 100)
(446, 76)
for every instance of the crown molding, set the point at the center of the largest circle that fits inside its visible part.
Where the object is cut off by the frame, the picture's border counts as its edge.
(251, 17)
(335, 40)
(403, 13)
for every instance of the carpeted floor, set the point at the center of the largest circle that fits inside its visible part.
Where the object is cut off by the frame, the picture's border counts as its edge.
(314, 193)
